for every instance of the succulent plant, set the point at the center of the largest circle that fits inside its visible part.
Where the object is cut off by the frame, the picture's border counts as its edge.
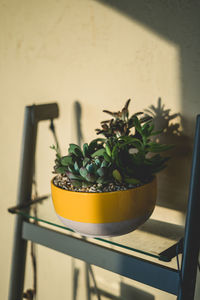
(85, 166)
(124, 156)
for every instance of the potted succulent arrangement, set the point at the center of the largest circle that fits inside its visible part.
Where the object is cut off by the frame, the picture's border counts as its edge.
(108, 187)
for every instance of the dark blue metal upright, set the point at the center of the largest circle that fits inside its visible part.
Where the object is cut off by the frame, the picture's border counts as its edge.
(33, 114)
(192, 226)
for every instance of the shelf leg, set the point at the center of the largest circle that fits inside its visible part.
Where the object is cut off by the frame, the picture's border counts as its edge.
(33, 114)
(192, 226)
(24, 195)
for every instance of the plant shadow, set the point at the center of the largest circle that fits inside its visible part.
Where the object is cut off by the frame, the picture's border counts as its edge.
(171, 180)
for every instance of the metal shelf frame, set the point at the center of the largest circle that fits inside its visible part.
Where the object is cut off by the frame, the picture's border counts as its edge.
(180, 283)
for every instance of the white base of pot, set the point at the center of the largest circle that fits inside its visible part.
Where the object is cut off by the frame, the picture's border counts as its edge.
(105, 229)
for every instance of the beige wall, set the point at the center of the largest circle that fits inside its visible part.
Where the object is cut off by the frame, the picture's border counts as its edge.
(100, 55)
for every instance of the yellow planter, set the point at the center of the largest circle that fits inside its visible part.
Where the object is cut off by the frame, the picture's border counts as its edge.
(105, 214)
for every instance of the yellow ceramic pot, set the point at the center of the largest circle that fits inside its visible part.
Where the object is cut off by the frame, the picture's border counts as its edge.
(105, 214)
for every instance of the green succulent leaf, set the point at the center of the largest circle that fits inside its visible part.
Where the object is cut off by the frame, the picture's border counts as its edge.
(95, 144)
(108, 150)
(99, 152)
(86, 184)
(60, 170)
(71, 168)
(106, 157)
(91, 168)
(66, 160)
(76, 167)
(86, 161)
(73, 176)
(85, 149)
(83, 172)
(104, 163)
(116, 174)
(101, 180)
(90, 177)
(76, 183)
(101, 171)
(76, 150)
(97, 162)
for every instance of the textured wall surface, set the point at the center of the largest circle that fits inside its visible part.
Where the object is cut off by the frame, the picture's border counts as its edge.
(100, 53)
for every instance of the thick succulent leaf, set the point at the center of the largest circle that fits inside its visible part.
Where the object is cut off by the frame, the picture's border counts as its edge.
(78, 153)
(75, 149)
(91, 168)
(86, 184)
(76, 183)
(115, 151)
(106, 157)
(101, 171)
(60, 170)
(66, 160)
(83, 172)
(116, 174)
(108, 150)
(86, 161)
(90, 177)
(102, 180)
(85, 149)
(73, 176)
(71, 168)
(99, 152)
(97, 162)
(104, 163)
(76, 167)
(95, 144)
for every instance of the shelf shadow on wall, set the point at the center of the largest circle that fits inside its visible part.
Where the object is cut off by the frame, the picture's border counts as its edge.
(127, 292)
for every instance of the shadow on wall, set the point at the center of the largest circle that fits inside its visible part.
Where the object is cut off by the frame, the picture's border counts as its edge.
(178, 22)
(172, 180)
(78, 117)
(128, 292)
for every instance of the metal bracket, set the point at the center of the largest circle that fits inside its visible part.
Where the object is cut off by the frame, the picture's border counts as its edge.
(172, 251)
(17, 208)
